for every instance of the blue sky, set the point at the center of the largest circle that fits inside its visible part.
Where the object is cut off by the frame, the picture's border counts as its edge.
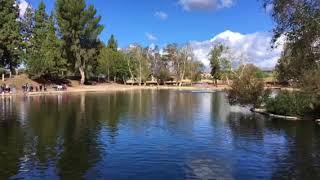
(132, 20)
(243, 25)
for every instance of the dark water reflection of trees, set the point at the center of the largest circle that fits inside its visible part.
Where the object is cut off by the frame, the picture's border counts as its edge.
(66, 136)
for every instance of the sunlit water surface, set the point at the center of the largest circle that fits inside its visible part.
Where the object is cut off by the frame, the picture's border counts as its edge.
(150, 135)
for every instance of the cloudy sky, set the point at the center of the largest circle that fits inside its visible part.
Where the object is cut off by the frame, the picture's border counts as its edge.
(241, 24)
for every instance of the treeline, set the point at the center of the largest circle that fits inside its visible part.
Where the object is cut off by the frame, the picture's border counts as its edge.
(148, 64)
(66, 43)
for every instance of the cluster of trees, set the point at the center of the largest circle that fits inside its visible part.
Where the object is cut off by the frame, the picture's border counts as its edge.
(67, 42)
(221, 63)
(50, 45)
(10, 37)
(298, 23)
(247, 87)
(142, 64)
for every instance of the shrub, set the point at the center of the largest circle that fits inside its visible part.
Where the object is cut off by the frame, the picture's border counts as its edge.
(289, 104)
(247, 88)
(310, 84)
(2, 71)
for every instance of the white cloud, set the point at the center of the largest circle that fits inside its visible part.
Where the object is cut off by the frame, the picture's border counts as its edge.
(23, 5)
(161, 15)
(256, 47)
(190, 5)
(269, 8)
(151, 37)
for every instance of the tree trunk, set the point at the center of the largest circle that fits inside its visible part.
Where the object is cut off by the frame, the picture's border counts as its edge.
(140, 73)
(108, 75)
(83, 76)
(3, 77)
(228, 82)
(124, 80)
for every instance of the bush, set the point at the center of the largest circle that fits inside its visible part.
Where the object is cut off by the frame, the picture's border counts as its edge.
(310, 84)
(247, 88)
(2, 71)
(289, 104)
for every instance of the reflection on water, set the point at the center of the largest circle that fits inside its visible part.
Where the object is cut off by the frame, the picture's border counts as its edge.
(150, 134)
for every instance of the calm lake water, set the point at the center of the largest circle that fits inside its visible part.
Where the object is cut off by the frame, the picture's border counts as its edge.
(150, 135)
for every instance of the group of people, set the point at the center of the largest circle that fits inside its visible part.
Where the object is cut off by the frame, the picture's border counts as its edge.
(30, 88)
(4, 88)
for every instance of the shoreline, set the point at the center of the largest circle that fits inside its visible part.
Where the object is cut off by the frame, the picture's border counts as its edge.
(112, 88)
(121, 87)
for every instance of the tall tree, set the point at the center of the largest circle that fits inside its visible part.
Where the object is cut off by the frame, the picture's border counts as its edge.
(171, 57)
(247, 88)
(216, 61)
(185, 59)
(44, 58)
(27, 26)
(79, 27)
(10, 38)
(140, 63)
(298, 21)
(112, 62)
(112, 43)
(159, 66)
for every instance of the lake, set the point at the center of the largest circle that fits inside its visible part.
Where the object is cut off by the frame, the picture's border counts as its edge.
(150, 134)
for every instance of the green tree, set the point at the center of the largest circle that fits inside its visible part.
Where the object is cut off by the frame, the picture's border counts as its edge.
(160, 66)
(114, 64)
(220, 65)
(195, 70)
(79, 27)
(247, 88)
(44, 59)
(310, 84)
(27, 27)
(299, 23)
(112, 43)
(184, 60)
(10, 38)
(140, 64)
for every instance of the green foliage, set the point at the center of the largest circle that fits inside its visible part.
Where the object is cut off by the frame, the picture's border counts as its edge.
(247, 88)
(216, 60)
(159, 66)
(140, 63)
(10, 38)
(195, 70)
(79, 27)
(289, 104)
(44, 56)
(171, 57)
(112, 43)
(299, 21)
(114, 64)
(310, 84)
(2, 71)
(27, 27)
(183, 62)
